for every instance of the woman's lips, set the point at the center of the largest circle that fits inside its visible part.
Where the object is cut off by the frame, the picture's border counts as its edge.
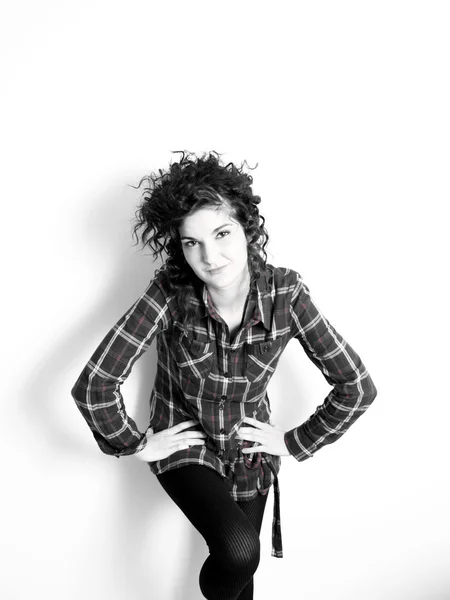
(217, 271)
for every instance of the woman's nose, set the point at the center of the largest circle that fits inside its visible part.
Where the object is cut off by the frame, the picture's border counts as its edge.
(210, 254)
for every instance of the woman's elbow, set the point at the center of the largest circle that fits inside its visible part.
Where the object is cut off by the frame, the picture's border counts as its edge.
(371, 391)
(78, 390)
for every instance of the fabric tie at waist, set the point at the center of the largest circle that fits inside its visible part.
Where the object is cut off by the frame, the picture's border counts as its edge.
(277, 546)
(255, 464)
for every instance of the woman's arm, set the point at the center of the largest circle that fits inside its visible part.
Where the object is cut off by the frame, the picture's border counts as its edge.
(97, 390)
(353, 389)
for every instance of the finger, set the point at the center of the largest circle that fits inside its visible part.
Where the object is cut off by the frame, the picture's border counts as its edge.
(185, 439)
(255, 423)
(181, 426)
(251, 431)
(189, 440)
(182, 447)
(254, 449)
(186, 443)
(190, 434)
(252, 438)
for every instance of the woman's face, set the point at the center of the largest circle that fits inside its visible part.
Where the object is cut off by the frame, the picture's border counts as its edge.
(215, 247)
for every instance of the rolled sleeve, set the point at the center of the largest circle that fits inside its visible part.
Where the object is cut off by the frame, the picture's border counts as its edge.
(353, 389)
(97, 390)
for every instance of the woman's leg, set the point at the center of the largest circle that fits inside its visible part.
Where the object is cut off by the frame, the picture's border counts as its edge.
(254, 510)
(233, 541)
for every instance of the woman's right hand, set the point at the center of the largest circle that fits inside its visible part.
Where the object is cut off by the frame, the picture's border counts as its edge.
(164, 443)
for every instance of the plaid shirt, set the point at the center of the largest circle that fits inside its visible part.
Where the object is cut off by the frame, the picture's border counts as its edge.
(204, 375)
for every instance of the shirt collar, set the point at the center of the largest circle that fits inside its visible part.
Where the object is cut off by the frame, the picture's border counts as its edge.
(260, 299)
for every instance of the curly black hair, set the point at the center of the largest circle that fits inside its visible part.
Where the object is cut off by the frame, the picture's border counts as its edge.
(186, 186)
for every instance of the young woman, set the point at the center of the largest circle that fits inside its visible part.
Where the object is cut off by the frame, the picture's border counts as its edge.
(221, 316)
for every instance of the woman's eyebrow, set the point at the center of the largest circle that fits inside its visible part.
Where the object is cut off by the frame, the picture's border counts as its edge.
(186, 237)
(224, 225)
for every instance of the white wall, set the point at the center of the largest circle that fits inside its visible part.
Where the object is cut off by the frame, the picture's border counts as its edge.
(344, 105)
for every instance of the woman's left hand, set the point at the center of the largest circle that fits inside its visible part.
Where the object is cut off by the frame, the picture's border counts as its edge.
(269, 437)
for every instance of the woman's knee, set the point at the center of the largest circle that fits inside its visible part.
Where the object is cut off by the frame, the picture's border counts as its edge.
(231, 566)
(241, 552)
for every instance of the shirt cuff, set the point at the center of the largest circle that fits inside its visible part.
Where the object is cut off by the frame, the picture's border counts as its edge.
(107, 448)
(297, 445)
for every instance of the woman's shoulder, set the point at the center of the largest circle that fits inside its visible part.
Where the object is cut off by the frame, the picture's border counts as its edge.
(158, 287)
(280, 277)
(161, 278)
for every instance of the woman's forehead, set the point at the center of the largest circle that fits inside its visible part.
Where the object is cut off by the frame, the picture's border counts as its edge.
(205, 220)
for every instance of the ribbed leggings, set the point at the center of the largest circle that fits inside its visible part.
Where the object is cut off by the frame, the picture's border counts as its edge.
(231, 529)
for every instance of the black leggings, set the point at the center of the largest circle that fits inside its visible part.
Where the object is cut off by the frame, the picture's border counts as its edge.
(231, 529)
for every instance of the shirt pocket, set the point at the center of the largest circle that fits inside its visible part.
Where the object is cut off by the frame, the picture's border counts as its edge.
(262, 358)
(194, 358)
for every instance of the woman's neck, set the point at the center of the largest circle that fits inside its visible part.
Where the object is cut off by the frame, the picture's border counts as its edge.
(232, 297)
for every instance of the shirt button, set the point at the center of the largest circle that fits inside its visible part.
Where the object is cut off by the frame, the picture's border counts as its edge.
(222, 430)
(265, 349)
(223, 397)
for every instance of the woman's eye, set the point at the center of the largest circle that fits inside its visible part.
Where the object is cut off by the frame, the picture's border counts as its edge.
(190, 243)
(222, 233)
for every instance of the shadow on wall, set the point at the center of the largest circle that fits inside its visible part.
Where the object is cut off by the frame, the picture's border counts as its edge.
(48, 407)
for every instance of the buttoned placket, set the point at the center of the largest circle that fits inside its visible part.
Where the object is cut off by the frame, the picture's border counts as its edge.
(254, 319)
